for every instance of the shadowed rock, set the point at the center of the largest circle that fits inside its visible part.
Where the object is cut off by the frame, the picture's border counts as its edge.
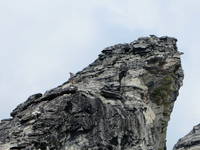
(122, 101)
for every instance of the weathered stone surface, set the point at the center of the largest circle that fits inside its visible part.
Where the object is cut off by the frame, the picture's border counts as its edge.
(122, 101)
(191, 141)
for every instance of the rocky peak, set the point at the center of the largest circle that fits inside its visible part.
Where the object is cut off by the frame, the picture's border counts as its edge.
(191, 141)
(122, 101)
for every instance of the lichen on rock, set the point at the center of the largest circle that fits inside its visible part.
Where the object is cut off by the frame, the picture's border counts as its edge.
(122, 101)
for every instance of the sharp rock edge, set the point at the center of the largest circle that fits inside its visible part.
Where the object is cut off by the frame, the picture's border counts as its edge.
(122, 101)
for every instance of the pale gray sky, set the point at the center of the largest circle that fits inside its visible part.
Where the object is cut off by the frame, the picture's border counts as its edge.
(41, 41)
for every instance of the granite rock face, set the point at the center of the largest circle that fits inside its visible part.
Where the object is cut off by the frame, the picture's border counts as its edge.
(191, 141)
(122, 101)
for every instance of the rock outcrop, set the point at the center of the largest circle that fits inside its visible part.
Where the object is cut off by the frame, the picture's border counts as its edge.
(191, 141)
(122, 101)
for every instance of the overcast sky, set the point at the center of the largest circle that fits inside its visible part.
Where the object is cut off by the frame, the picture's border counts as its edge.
(41, 41)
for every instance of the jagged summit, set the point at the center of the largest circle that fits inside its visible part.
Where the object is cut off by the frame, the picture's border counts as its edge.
(143, 46)
(122, 101)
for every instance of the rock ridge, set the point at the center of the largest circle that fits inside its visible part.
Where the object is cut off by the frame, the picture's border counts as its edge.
(122, 101)
(191, 141)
